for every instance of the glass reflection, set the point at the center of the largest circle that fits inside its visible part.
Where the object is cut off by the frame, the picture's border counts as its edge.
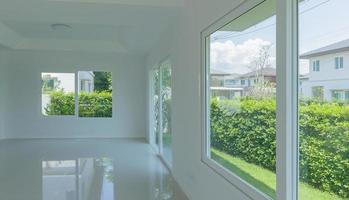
(79, 179)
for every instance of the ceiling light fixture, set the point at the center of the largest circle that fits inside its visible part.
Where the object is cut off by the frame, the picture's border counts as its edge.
(60, 27)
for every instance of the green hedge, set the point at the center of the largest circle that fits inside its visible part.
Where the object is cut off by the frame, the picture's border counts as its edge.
(96, 104)
(61, 104)
(246, 128)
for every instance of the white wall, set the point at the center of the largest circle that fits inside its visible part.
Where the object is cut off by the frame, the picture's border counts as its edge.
(328, 77)
(24, 118)
(198, 180)
(327, 68)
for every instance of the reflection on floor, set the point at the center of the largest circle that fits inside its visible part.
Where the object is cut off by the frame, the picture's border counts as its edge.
(83, 170)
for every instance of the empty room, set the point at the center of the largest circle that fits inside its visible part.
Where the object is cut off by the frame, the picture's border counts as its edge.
(174, 100)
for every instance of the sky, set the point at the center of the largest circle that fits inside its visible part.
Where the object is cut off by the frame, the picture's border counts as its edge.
(321, 22)
(67, 80)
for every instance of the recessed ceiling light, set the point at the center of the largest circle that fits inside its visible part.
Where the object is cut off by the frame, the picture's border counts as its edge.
(60, 27)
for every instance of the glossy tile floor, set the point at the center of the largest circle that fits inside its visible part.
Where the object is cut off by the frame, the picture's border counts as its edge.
(119, 169)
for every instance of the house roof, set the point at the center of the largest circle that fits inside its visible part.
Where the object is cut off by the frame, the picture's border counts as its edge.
(330, 49)
(218, 72)
(269, 71)
(304, 76)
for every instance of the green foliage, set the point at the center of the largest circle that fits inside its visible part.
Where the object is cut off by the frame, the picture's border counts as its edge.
(90, 104)
(246, 128)
(102, 81)
(61, 104)
(95, 104)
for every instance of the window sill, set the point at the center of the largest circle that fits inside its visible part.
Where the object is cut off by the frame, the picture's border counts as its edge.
(236, 181)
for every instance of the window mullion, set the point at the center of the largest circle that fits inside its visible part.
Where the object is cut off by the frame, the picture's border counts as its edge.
(160, 113)
(77, 86)
(287, 100)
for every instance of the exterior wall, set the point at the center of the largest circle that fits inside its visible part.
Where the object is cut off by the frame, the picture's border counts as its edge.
(86, 78)
(217, 81)
(328, 77)
(328, 87)
(24, 119)
(327, 68)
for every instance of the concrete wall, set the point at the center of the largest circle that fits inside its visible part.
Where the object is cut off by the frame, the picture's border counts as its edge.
(24, 119)
(198, 180)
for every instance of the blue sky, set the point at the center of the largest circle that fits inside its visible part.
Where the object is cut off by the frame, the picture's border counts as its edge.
(321, 22)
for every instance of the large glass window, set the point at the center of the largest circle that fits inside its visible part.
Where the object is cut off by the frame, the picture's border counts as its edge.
(241, 127)
(94, 94)
(323, 122)
(312, 123)
(58, 94)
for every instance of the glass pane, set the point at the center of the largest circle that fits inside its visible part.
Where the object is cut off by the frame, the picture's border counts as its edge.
(156, 106)
(242, 113)
(95, 94)
(323, 111)
(166, 110)
(58, 93)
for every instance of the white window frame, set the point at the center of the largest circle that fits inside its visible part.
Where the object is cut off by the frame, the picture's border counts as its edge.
(287, 98)
(76, 98)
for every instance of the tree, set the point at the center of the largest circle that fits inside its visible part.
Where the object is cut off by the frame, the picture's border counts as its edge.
(263, 88)
(102, 81)
(261, 61)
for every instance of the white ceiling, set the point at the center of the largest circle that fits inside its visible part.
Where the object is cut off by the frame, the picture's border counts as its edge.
(130, 26)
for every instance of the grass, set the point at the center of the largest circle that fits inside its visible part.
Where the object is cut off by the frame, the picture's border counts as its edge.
(264, 179)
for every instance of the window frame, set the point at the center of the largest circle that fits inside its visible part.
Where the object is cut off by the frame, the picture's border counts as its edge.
(152, 135)
(339, 62)
(229, 176)
(316, 65)
(76, 96)
(287, 56)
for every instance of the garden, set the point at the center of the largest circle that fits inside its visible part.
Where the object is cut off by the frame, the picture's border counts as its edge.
(243, 140)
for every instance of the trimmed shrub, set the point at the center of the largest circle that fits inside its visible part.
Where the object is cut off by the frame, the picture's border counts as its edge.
(96, 104)
(61, 104)
(246, 128)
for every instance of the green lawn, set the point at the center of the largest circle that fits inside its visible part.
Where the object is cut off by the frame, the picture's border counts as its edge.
(265, 180)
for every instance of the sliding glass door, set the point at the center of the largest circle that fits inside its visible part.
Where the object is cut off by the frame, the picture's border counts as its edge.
(161, 110)
(166, 97)
(155, 107)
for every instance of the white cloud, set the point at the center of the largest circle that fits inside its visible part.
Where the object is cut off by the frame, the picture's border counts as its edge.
(236, 58)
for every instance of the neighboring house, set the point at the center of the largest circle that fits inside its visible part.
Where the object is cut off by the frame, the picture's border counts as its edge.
(303, 79)
(49, 83)
(226, 85)
(328, 77)
(222, 85)
(86, 81)
(252, 78)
